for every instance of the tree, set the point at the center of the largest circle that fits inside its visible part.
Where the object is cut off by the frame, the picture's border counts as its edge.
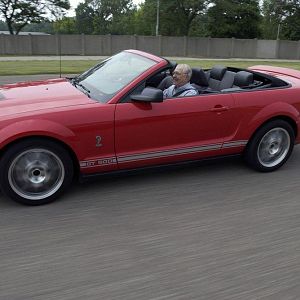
(104, 16)
(186, 12)
(199, 26)
(85, 13)
(176, 16)
(281, 19)
(19, 13)
(65, 25)
(274, 13)
(234, 18)
(145, 18)
(291, 24)
(3, 26)
(46, 27)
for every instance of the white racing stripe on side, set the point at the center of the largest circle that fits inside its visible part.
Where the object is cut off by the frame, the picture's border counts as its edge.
(159, 154)
(97, 162)
(235, 144)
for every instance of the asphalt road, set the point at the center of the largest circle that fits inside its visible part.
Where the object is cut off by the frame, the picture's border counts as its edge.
(214, 231)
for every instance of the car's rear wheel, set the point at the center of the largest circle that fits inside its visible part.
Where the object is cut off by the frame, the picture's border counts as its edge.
(35, 171)
(271, 146)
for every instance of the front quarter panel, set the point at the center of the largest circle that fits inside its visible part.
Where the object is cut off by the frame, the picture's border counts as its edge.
(35, 127)
(87, 130)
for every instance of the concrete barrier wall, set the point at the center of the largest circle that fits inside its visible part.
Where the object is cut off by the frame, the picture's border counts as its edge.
(220, 48)
(289, 50)
(150, 44)
(17, 45)
(46, 44)
(160, 45)
(198, 47)
(121, 42)
(244, 48)
(172, 46)
(71, 44)
(267, 49)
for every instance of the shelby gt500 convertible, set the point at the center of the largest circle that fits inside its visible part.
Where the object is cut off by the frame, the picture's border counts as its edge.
(113, 117)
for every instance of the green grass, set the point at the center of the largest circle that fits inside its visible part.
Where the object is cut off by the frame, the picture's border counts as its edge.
(78, 66)
(44, 67)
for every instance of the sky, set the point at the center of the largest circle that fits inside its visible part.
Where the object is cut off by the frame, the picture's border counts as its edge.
(74, 4)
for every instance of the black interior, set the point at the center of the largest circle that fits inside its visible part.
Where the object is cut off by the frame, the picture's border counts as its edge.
(219, 79)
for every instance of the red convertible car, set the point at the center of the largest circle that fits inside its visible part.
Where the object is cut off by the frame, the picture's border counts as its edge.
(113, 118)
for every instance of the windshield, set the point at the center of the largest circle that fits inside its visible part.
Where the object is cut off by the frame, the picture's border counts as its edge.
(104, 80)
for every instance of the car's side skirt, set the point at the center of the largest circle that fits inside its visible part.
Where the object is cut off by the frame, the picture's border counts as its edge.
(85, 177)
(159, 154)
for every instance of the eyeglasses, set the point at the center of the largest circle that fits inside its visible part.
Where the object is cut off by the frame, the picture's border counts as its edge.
(179, 73)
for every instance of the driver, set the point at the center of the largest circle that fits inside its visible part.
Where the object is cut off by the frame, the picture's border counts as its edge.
(181, 79)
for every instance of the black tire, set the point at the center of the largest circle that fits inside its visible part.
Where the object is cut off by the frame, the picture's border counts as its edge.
(35, 171)
(271, 146)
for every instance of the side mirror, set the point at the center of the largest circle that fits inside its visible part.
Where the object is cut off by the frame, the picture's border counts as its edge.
(149, 94)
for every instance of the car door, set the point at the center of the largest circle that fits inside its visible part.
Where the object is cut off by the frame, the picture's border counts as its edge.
(174, 130)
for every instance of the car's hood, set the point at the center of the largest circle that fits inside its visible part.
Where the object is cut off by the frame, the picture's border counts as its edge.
(40, 95)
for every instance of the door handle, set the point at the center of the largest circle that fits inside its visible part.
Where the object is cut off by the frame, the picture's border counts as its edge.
(219, 108)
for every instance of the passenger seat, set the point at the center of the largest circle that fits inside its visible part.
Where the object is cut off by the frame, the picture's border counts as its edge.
(243, 79)
(199, 79)
(227, 80)
(216, 74)
(220, 78)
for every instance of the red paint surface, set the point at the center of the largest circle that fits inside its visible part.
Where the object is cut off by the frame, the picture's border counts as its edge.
(56, 109)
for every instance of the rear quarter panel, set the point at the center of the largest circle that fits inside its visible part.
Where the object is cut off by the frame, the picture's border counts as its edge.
(257, 107)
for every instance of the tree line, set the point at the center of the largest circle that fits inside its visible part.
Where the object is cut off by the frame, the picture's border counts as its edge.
(268, 19)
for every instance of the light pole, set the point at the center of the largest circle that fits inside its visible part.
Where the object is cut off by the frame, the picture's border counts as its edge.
(157, 17)
(278, 31)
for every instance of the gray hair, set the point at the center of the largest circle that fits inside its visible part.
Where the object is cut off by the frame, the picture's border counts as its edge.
(187, 70)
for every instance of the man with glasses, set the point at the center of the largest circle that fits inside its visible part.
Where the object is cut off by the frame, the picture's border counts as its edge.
(181, 79)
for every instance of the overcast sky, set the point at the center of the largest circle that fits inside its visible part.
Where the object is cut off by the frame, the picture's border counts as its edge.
(74, 4)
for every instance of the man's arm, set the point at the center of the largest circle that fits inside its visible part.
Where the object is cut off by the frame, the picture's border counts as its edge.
(168, 92)
(191, 92)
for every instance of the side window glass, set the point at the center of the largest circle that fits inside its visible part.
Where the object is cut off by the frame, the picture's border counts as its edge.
(136, 91)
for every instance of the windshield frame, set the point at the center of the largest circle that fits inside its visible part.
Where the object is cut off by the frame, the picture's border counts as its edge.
(114, 82)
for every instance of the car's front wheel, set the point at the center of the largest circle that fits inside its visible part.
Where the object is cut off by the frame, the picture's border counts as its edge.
(35, 171)
(271, 146)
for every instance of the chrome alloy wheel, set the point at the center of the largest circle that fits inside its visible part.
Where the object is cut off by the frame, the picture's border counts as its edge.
(273, 147)
(36, 174)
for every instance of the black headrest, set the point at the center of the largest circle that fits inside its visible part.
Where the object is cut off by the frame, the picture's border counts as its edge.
(243, 78)
(199, 77)
(174, 65)
(217, 72)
